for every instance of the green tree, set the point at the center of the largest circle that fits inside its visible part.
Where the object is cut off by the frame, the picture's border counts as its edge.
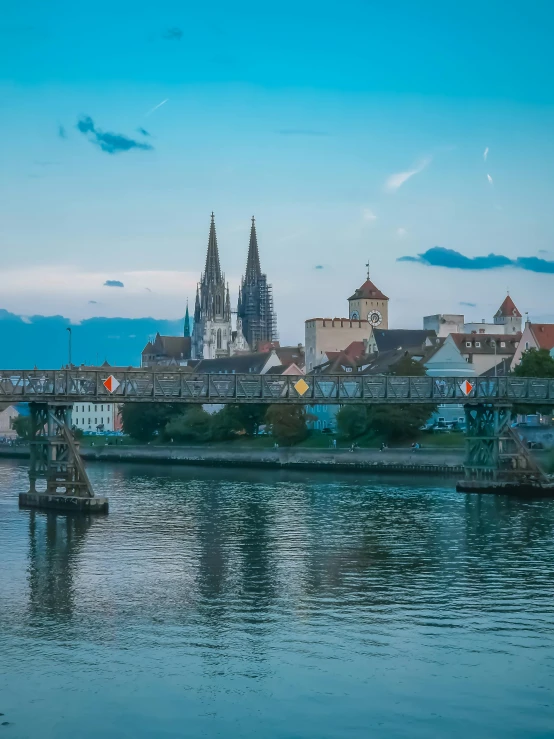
(194, 425)
(408, 367)
(352, 421)
(397, 422)
(235, 419)
(144, 421)
(535, 363)
(22, 426)
(288, 423)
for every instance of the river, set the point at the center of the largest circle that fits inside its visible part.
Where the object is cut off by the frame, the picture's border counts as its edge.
(244, 603)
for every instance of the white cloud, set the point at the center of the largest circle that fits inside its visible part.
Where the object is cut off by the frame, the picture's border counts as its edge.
(401, 232)
(489, 178)
(369, 215)
(397, 180)
(485, 154)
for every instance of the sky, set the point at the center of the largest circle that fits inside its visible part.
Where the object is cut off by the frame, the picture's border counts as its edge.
(415, 136)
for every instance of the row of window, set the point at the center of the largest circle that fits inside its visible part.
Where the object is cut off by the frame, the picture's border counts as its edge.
(95, 408)
(478, 344)
(95, 422)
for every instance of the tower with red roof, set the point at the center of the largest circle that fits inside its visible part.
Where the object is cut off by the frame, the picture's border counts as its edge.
(508, 316)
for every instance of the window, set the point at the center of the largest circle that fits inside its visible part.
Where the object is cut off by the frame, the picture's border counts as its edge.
(95, 409)
(478, 344)
(89, 410)
(502, 343)
(89, 421)
(102, 420)
(95, 421)
(219, 338)
(468, 343)
(461, 419)
(527, 345)
(348, 369)
(101, 407)
(481, 330)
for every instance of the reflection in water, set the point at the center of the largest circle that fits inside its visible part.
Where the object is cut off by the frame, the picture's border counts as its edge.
(55, 541)
(252, 603)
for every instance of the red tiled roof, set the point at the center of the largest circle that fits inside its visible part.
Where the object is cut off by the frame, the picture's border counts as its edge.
(368, 291)
(544, 334)
(354, 350)
(508, 309)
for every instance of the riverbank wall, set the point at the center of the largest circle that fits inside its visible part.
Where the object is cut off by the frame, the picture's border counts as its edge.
(424, 461)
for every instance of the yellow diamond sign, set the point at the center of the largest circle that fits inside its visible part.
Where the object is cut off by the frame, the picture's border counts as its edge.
(301, 386)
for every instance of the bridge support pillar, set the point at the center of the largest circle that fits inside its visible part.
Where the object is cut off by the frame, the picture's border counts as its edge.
(496, 458)
(55, 458)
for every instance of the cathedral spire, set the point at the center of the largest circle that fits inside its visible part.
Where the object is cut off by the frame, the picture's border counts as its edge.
(253, 269)
(187, 321)
(227, 305)
(212, 272)
(197, 311)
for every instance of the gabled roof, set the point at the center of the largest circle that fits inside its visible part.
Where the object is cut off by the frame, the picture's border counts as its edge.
(501, 370)
(238, 364)
(368, 291)
(507, 309)
(172, 347)
(290, 355)
(355, 349)
(544, 334)
(400, 338)
(486, 343)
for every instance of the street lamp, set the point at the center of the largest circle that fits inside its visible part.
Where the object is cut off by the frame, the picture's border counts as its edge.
(68, 329)
(493, 343)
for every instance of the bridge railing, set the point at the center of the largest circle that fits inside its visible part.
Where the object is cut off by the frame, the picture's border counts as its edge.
(183, 387)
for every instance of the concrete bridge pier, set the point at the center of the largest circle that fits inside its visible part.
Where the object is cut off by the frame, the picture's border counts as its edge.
(55, 458)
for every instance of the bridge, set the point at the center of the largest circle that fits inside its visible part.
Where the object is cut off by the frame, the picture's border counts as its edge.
(135, 386)
(494, 451)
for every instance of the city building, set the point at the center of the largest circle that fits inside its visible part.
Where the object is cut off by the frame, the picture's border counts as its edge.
(487, 351)
(7, 417)
(534, 336)
(383, 340)
(370, 304)
(167, 351)
(324, 335)
(95, 416)
(255, 303)
(507, 320)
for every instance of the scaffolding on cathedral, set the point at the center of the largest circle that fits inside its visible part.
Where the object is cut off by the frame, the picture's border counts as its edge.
(255, 303)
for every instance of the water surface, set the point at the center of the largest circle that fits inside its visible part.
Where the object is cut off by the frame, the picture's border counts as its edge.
(234, 603)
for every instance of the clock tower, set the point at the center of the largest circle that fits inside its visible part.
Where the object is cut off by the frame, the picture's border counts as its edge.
(369, 304)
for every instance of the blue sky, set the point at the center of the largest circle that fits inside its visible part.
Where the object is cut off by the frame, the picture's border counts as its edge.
(310, 116)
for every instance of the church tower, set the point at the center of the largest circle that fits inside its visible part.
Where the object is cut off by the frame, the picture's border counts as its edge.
(508, 317)
(211, 332)
(369, 303)
(255, 304)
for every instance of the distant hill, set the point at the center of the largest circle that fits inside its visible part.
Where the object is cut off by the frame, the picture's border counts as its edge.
(43, 340)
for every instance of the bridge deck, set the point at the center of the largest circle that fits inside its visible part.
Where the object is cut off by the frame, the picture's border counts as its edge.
(72, 386)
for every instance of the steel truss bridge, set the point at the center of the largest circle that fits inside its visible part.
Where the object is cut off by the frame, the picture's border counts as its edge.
(493, 450)
(75, 386)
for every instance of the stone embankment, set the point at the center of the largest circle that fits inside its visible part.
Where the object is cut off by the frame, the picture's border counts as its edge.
(428, 461)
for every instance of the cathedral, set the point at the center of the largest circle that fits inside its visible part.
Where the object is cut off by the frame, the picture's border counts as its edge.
(212, 333)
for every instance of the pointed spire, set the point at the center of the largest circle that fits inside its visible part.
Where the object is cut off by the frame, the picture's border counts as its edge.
(187, 320)
(227, 305)
(253, 269)
(212, 273)
(197, 311)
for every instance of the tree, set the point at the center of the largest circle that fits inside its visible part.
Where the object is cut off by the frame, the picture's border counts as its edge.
(397, 422)
(352, 421)
(288, 423)
(195, 425)
(22, 426)
(236, 419)
(144, 421)
(408, 367)
(535, 363)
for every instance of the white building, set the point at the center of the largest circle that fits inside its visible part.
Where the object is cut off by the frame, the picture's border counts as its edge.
(94, 416)
(7, 417)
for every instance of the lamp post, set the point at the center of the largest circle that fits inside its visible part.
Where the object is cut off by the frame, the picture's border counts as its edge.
(68, 329)
(493, 342)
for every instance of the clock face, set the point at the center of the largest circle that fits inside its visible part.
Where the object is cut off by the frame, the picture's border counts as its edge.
(355, 316)
(375, 318)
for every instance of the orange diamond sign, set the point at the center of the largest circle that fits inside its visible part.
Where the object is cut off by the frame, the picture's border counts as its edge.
(111, 384)
(301, 386)
(466, 387)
